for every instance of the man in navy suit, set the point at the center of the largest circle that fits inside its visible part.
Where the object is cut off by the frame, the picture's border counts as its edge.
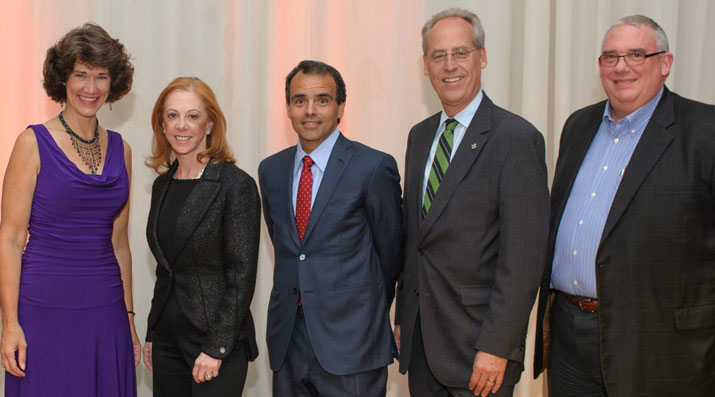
(332, 208)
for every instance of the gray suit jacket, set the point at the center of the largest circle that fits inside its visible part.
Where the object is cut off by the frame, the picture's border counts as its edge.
(655, 265)
(473, 263)
(215, 274)
(347, 264)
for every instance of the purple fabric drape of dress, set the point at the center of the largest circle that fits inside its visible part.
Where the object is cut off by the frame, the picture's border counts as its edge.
(71, 303)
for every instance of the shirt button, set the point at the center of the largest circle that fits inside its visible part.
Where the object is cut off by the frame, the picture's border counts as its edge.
(580, 222)
(574, 253)
(222, 350)
(593, 194)
(302, 257)
(605, 167)
(633, 131)
(615, 140)
(575, 282)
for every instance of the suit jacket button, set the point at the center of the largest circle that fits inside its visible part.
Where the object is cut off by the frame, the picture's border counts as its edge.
(222, 350)
(420, 252)
(302, 257)
(417, 292)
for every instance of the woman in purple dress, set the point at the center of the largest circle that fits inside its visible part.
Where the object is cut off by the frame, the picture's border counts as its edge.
(67, 320)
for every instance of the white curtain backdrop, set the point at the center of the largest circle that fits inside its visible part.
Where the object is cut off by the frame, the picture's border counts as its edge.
(541, 65)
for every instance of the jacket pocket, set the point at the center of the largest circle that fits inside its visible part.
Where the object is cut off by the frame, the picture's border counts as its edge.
(695, 317)
(476, 294)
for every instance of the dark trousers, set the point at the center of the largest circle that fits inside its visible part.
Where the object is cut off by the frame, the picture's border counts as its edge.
(575, 366)
(176, 344)
(302, 375)
(423, 383)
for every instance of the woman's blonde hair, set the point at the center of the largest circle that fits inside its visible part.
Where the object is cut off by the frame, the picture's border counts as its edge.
(216, 144)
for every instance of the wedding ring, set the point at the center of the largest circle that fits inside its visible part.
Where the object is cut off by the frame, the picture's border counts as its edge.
(490, 381)
(208, 376)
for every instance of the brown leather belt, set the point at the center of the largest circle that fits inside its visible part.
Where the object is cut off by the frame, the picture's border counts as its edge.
(589, 305)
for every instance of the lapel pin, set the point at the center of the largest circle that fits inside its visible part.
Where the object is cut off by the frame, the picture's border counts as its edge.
(474, 146)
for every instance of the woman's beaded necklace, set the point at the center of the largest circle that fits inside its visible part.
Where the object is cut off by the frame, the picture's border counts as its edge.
(90, 151)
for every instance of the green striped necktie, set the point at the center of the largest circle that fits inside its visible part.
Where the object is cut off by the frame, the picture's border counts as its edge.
(439, 165)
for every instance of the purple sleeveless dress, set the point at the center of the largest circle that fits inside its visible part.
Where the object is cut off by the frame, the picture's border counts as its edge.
(71, 305)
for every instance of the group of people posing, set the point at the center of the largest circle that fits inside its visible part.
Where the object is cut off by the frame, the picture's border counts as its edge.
(622, 250)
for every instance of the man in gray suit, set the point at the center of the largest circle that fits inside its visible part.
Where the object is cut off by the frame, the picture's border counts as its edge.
(476, 210)
(332, 208)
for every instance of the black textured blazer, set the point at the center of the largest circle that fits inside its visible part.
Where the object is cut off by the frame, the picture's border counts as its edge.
(214, 274)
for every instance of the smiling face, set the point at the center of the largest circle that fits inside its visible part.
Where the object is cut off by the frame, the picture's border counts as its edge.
(628, 87)
(312, 108)
(456, 82)
(186, 123)
(87, 89)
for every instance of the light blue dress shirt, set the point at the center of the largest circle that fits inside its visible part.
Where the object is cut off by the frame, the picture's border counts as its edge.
(320, 157)
(464, 118)
(588, 205)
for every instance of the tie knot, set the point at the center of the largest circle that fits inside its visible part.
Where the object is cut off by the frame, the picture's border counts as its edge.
(451, 124)
(307, 161)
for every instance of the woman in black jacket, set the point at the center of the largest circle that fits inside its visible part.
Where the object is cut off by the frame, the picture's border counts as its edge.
(203, 230)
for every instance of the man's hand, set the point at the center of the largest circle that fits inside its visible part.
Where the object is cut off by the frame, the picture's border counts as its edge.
(487, 374)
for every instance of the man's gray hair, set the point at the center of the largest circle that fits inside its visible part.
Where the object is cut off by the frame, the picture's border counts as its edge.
(472, 18)
(661, 40)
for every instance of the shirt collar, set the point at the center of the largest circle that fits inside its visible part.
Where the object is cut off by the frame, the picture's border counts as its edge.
(319, 155)
(640, 115)
(465, 116)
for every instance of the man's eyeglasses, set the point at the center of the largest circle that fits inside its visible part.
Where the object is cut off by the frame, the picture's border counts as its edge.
(631, 59)
(459, 54)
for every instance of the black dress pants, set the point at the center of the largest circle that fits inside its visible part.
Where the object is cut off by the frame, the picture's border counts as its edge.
(575, 365)
(176, 344)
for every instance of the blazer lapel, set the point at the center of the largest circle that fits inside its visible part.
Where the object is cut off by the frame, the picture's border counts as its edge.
(423, 143)
(339, 158)
(469, 149)
(572, 159)
(656, 138)
(161, 189)
(199, 201)
(286, 192)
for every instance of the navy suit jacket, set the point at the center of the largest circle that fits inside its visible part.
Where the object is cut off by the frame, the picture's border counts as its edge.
(655, 265)
(347, 264)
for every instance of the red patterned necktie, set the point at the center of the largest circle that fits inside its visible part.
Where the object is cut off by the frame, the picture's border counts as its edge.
(305, 193)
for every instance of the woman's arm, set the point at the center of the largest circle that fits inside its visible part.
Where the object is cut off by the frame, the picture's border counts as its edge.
(18, 190)
(120, 241)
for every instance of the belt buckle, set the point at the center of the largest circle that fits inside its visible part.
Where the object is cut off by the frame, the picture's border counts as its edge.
(580, 305)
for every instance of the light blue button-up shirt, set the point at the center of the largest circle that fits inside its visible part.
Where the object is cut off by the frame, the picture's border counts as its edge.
(464, 118)
(320, 156)
(588, 205)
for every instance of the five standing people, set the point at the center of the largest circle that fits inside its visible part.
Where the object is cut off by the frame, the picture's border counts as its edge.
(630, 280)
(627, 302)
(476, 209)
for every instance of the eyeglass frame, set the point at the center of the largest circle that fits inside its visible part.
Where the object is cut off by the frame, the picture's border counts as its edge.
(625, 59)
(453, 53)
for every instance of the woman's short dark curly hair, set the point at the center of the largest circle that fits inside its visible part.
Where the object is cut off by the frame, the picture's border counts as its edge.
(91, 45)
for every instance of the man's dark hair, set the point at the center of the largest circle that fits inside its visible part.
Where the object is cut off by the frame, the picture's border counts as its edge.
(317, 67)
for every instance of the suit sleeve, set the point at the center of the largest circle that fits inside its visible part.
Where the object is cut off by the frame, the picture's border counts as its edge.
(265, 202)
(384, 212)
(241, 233)
(523, 229)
